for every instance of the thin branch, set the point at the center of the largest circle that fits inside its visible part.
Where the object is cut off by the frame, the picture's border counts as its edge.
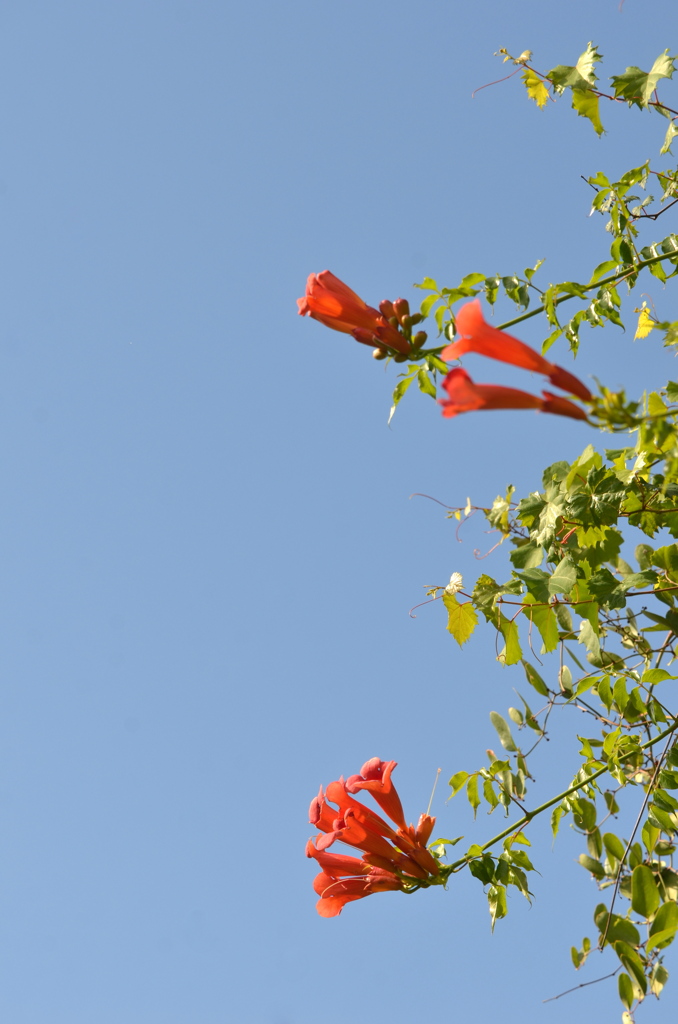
(637, 267)
(583, 985)
(487, 84)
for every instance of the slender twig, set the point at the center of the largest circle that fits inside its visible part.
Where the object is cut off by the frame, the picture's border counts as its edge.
(583, 985)
(487, 84)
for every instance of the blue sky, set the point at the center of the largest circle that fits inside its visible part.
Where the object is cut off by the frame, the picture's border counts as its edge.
(210, 549)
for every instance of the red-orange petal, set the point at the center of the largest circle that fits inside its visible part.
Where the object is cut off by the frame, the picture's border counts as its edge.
(560, 406)
(375, 777)
(476, 335)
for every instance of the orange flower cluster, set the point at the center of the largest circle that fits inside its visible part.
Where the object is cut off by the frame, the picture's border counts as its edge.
(392, 859)
(334, 304)
(476, 335)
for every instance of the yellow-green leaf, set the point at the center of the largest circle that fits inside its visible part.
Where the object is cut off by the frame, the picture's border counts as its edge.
(462, 619)
(645, 323)
(585, 102)
(512, 653)
(536, 89)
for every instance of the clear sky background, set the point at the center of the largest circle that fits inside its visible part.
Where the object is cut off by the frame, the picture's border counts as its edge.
(208, 548)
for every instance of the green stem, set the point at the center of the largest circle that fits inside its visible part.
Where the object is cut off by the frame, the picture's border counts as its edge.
(527, 818)
(637, 267)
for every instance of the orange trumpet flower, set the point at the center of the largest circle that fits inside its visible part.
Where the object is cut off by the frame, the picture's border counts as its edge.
(392, 858)
(465, 396)
(476, 335)
(335, 893)
(375, 777)
(334, 304)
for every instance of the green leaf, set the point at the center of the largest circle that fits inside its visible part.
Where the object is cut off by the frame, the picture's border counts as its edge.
(425, 383)
(619, 694)
(496, 898)
(581, 76)
(563, 578)
(605, 588)
(457, 781)
(398, 393)
(632, 962)
(614, 846)
(586, 105)
(588, 637)
(619, 927)
(428, 284)
(656, 675)
(535, 680)
(639, 580)
(428, 303)
(658, 979)
(626, 990)
(664, 927)
(644, 893)
(671, 133)
(512, 652)
(666, 558)
(556, 814)
(636, 86)
(503, 731)
(564, 619)
(462, 619)
(472, 793)
(594, 866)
(605, 691)
(536, 582)
(527, 555)
(544, 619)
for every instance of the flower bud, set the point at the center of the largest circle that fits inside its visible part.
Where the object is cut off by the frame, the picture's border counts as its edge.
(400, 358)
(416, 318)
(401, 307)
(406, 322)
(394, 322)
(419, 339)
(379, 353)
(386, 308)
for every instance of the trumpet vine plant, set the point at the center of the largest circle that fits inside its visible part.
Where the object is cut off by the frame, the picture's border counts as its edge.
(603, 631)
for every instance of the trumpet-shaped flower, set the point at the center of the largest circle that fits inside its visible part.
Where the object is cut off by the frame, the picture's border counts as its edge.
(465, 396)
(476, 335)
(334, 304)
(392, 858)
(335, 893)
(375, 777)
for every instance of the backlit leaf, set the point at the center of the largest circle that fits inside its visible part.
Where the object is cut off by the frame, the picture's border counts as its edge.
(645, 324)
(425, 383)
(535, 680)
(664, 926)
(586, 105)
(536, 89)
(626, 990)
(644, 893)
(503, 731)
(512, 652)
(462, 619)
